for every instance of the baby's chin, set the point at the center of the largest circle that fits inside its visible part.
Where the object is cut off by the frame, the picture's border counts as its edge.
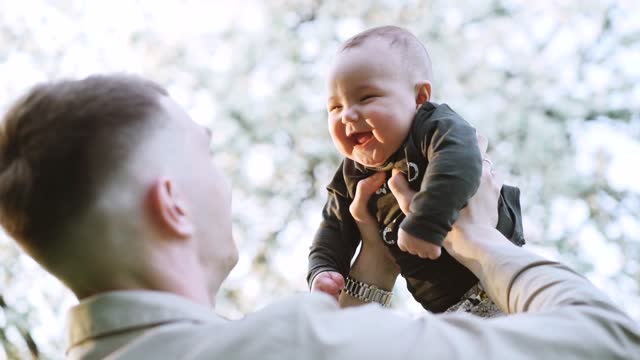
(368, 161)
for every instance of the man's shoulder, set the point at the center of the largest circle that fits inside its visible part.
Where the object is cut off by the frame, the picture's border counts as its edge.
(294, 305)
(269, 333)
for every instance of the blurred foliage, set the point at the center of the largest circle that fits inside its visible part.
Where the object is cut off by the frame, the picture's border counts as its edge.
(553, 85)
(15, 331)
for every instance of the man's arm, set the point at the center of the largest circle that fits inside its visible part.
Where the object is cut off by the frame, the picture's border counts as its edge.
(374, 265)
(335, 241)
(558, 315)
(452, 176)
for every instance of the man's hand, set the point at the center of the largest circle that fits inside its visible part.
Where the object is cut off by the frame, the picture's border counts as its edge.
(407, 242)
(482, 208)
(480, 214)
(329, 282)
(477, 221)
(374, 265)
(364, 190)
(400, 189)
(367, 224)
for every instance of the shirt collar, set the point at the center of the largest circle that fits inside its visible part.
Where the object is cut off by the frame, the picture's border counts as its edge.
(120, 311)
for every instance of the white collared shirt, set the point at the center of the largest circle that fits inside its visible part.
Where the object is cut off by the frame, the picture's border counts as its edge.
(560, 315)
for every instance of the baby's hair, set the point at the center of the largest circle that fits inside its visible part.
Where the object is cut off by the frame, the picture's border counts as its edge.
(415, 55)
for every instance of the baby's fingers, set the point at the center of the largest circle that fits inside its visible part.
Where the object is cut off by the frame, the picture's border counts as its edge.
(324, 282)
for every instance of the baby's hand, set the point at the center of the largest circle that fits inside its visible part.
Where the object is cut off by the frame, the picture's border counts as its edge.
(416, 246)
(329, 282)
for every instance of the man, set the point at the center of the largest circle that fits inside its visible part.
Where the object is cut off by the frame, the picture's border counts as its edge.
(107, 183)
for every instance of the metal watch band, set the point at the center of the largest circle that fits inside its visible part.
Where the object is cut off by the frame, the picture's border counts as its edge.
(367, 293)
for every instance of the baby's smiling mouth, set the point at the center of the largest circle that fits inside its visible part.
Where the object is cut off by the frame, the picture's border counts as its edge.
(361, 138)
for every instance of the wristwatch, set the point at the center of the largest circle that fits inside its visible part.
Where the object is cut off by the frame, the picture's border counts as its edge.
(367, 293)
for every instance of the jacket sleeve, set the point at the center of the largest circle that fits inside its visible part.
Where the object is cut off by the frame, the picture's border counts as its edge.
(452, 176)
(556, 314)
(335, 241)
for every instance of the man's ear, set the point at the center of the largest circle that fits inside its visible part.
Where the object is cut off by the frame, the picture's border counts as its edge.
(423, 93)
(168, 209)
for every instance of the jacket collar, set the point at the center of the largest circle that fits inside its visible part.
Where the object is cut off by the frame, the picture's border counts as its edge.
(122, 311)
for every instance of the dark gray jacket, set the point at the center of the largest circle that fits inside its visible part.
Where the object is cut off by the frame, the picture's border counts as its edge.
(442, 162)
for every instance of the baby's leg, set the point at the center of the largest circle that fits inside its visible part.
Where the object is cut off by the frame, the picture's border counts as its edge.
(477, 302)
(510, 215)
(440, 283)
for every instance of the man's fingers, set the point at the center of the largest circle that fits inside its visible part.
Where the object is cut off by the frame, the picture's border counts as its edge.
(488, 173)
(489, 176)
(399, 186)
(398, 182)
(364, 189)
(483, 144)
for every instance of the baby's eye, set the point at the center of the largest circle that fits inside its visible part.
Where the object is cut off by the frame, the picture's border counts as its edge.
(367, 97)
(334, 107)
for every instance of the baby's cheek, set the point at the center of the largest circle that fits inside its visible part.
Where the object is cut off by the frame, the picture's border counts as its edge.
(343, 145)
(335, 134)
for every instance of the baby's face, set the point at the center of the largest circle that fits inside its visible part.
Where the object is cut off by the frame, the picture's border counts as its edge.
(371, 103)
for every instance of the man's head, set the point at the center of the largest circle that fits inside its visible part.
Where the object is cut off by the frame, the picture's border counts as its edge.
(108, 184)
(379, 78)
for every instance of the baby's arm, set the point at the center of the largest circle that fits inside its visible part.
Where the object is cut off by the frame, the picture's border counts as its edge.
(452, 177)
(332, 282)
(333, 247)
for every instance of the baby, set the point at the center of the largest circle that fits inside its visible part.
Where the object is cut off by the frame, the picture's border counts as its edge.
(381, 119)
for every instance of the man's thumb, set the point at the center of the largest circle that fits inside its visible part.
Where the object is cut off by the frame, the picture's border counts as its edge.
(399, 186)
(398, 183)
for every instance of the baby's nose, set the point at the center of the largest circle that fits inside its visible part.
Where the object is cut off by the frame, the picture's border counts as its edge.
(349, 115)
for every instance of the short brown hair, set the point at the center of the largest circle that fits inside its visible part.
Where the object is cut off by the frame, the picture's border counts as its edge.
(414, 51)
(58, 145)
